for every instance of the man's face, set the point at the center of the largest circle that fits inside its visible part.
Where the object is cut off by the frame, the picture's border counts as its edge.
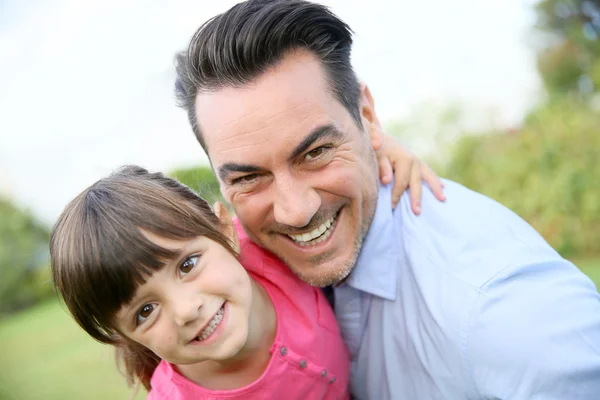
(298, 171)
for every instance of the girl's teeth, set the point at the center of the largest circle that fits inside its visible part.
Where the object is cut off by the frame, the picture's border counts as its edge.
(212, 325)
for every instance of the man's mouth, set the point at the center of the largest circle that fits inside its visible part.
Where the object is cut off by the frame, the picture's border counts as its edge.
(317, 235)
(211, 326)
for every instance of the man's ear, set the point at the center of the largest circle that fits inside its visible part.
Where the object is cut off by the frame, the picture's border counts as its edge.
(227, 226)
(370, 121)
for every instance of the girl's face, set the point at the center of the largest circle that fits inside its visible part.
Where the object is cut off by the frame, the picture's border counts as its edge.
(194, 309)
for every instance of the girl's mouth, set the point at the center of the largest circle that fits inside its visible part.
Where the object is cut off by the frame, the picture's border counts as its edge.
(211, 326)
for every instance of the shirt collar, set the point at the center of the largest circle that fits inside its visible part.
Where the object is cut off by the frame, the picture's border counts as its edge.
(376, 269)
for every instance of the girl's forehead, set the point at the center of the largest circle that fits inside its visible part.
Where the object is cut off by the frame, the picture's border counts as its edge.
(166, 243)
(176, 247)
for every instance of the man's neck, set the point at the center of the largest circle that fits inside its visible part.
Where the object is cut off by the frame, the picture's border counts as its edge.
(372, 272)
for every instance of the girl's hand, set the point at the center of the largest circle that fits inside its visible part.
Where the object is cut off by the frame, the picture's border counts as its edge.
(408, 171)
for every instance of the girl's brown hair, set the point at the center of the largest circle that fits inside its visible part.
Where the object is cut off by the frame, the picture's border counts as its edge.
(100, 255)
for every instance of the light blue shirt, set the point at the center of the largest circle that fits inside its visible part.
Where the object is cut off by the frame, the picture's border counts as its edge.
(466, 301)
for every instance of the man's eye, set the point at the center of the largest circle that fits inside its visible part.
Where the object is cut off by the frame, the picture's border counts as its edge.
(244, 179)
(315, 153)
(144, 313)
(188, 265)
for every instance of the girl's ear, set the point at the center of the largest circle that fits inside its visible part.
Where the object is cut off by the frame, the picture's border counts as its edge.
(228, 227)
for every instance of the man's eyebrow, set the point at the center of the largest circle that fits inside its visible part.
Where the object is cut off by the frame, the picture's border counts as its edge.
(318, 133)
(229, 168)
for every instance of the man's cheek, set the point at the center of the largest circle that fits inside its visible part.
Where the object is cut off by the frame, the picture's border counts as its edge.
(226, 192)
(237, 199)
(338, 179)
(247, 215)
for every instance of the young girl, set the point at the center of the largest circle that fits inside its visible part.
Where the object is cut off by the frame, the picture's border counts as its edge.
(144, 264)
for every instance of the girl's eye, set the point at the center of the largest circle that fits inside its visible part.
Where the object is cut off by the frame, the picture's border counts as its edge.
(188, 265)
(144, 313)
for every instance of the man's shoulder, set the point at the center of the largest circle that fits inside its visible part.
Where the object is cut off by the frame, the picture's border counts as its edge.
(496, 295)
(532, 325)
(469, 236)
(465, 211)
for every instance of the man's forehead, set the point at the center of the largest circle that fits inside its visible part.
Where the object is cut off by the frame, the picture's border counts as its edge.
(247, 131)
(241, 113)
(290, 90)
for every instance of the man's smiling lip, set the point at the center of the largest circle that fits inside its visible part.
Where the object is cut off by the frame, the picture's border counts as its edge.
(318, 246)
(303, 231)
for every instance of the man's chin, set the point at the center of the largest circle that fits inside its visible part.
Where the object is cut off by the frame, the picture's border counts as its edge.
(323, 263)
(322, 274)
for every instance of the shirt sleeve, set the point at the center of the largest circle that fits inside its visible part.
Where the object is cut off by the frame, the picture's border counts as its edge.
(534, 333)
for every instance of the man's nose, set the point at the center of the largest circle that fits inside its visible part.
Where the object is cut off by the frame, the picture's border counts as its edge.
(295, 203)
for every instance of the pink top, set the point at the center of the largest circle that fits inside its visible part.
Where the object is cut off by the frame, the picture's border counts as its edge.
(309, 358)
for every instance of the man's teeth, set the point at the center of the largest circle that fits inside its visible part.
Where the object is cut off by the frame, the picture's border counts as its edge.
(317, 235)
(212, 325)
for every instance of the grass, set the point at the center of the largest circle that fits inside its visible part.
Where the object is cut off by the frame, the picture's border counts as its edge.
(45, 355)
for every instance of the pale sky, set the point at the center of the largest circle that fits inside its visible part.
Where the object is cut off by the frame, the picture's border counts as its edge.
(86, 86)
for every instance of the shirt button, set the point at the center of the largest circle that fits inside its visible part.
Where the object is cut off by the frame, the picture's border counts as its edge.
(303, 364)
(323, 373)
(332, 380)
(283, 351)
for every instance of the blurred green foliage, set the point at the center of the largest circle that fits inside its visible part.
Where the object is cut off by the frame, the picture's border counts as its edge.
(548, 172)
(202, 180)
(24, 273)
(569, 52)
(548, 169)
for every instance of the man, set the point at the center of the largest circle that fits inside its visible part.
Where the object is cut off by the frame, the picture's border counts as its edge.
(465, 301)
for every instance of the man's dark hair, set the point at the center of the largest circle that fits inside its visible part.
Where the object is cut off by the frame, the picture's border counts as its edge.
(236, 47)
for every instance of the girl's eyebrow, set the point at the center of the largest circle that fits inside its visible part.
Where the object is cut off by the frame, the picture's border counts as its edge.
(179, 254)
(124, 314)
(133, 304)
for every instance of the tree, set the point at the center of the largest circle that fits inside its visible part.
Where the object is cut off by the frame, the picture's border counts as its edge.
(569, 55)
(547, 172)
(23, 258)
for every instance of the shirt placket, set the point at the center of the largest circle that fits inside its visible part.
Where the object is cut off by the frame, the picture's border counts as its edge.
(349, 311)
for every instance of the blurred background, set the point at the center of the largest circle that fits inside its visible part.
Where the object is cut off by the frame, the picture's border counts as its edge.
(502, 96)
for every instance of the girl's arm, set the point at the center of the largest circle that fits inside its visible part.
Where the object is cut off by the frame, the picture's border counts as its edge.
(407, 170)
